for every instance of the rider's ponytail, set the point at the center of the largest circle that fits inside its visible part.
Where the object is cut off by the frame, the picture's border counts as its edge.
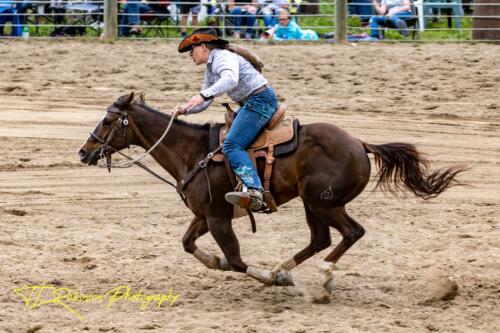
(247, 54)
(242, 51)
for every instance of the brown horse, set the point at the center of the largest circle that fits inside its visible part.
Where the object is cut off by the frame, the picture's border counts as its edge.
(327, 170)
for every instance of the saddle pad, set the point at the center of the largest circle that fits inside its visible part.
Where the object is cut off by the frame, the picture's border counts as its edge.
(289, 146)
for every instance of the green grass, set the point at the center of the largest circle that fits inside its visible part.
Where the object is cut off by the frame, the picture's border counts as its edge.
(437, 30)
(445, 33)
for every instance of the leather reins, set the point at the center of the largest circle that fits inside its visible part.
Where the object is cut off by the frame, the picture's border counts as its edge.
(107, 148)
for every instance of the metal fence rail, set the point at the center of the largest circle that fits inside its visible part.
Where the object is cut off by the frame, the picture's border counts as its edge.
(449, 20)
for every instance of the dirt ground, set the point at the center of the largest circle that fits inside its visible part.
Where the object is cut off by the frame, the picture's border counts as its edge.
(78, 227)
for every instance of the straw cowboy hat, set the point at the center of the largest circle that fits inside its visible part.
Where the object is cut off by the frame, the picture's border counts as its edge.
(203, 35)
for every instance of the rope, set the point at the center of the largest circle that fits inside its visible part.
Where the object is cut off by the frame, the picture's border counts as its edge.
(144, 167)
(128, 164)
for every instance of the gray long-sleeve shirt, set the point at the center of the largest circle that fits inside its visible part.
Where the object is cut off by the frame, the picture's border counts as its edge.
(228, 72)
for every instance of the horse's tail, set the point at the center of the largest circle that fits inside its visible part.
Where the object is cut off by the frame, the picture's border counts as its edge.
(402, 166)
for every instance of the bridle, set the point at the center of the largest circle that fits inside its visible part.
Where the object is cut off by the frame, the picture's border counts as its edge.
(107, 149)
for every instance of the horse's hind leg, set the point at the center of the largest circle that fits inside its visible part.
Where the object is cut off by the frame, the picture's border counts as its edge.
(320, 240)
(198, 228)
(350, 230)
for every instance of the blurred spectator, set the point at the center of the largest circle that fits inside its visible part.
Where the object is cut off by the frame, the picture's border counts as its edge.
(269, 9)
(361, 8)
(8, 14)
(390, 10)
(66, 25)
(288, 29)
(243, 14)
(294, 6)
(130, 19)
(23, 7)
(185, 7)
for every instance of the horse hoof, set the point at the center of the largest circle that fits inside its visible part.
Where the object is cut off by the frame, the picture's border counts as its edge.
(284, 278)
(329, 286)
(224, 264)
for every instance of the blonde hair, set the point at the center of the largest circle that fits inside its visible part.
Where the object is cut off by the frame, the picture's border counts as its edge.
(284, 14)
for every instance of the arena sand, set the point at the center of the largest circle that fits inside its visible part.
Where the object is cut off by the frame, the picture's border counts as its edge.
(423, 266)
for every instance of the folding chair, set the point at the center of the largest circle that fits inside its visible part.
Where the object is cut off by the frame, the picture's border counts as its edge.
(84, 13)
(156, 19)
(220, 18)
(454, 5)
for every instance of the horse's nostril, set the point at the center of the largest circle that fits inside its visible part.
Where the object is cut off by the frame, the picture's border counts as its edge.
(82, 153)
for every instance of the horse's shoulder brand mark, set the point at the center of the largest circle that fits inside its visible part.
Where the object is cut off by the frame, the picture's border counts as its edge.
(327, 194)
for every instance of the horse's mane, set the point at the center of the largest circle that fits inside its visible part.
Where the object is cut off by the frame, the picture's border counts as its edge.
(140, 100)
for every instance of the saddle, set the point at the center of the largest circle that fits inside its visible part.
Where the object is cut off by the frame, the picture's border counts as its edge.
(275, 140)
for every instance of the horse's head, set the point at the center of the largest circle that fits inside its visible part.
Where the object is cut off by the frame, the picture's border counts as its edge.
(110, 135)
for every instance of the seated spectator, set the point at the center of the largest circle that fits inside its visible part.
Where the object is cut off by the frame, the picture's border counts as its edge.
(23, 7)
(130, 19)
(8, 14)
(185, 7)
(243, 14)
(270, 11)
(390, 10)
(288, 29)
(57, 11)
(361, 8)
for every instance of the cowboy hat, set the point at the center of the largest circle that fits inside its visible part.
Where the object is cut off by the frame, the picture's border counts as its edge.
(203, 35)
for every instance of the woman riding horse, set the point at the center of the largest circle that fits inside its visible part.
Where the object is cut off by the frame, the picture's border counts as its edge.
(237, 72)
(328, 170)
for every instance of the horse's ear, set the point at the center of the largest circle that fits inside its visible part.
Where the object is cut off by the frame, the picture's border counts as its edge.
(130, 98)
(124, 101)
(142, 97)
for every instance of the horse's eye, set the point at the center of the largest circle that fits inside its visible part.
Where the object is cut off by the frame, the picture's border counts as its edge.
(106, 122)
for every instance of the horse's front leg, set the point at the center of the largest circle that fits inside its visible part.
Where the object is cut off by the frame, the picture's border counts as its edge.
(198, 228)
(223, 233)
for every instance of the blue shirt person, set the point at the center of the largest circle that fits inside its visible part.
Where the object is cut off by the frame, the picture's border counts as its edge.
(288, 29)
(8, 13)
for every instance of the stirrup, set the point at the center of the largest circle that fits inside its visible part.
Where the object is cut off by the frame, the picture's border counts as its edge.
(252, 199)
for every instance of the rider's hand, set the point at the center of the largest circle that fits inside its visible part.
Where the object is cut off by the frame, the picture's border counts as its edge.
(178, 111)
(194, 101)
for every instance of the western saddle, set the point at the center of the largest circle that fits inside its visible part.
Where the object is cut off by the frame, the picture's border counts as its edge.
(278, 130)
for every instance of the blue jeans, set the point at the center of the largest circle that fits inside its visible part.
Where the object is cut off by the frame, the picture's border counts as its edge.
(379, 20)
(376, 21)
(238, 15)
(132, 16)
(251, 118)
(270, 16)
(269, 20)
(361, 8)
